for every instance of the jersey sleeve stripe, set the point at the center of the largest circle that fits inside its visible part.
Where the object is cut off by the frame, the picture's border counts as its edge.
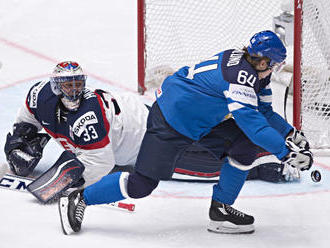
(27, 106)
(266, 98)
(235, 106)
(206, 68)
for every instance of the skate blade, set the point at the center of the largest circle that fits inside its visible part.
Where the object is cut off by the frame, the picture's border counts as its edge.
(63, 204)
(229, 228)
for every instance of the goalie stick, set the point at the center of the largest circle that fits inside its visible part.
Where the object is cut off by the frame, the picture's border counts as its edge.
(18, 183)
(14, 182)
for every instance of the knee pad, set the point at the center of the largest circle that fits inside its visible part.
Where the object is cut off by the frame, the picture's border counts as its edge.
(139, 186)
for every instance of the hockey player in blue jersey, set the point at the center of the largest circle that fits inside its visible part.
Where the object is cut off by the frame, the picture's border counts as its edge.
(228, 95)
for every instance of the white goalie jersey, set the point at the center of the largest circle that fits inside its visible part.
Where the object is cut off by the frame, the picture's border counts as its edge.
(105, 131)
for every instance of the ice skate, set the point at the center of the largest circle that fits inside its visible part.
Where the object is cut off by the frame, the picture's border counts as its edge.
(225, 219)
(72, 208)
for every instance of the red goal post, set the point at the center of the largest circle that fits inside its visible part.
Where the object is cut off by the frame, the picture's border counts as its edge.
(174, 33)
(297, 63)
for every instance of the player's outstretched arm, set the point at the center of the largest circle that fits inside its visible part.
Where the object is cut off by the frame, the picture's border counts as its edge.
(275, 120)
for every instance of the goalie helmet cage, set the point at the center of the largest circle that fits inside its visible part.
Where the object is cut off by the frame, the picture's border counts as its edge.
(173, 33)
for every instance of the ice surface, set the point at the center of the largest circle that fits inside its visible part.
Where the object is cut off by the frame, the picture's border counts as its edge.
(101, 36)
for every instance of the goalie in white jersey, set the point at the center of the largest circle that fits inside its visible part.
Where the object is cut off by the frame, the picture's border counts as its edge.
(102, 129)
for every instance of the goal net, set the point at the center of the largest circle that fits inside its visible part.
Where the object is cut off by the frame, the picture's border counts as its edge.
(313, 112)
(175, 33)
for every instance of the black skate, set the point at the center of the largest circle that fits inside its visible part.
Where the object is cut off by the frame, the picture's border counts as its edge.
(72, 208)
(225, 219)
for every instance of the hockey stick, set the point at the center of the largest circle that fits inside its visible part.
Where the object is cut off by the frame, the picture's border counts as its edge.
(18, 183)
(286, 95)
(285, 101)
(127, 206)
(14, 182)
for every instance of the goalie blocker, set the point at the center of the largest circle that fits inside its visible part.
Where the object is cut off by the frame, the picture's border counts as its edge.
(65, 173)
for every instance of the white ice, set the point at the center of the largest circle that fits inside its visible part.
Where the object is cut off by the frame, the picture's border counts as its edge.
(101, 36)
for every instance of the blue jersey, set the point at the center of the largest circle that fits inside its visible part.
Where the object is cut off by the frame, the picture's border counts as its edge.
(195, 99)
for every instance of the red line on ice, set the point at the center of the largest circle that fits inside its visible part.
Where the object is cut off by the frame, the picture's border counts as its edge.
(53, 60)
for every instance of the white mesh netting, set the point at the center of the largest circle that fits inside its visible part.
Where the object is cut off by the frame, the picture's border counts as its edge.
(315, 70)
(183, 32)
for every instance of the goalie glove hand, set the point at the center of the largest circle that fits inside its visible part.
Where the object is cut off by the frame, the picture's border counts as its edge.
(298, 138)
(298, 157)
(22, 155)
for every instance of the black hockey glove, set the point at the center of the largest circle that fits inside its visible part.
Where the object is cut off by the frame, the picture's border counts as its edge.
(298, 138)
(24, 148)
(298, 157)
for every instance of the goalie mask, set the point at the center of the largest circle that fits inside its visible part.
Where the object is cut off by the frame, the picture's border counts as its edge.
(69, 80)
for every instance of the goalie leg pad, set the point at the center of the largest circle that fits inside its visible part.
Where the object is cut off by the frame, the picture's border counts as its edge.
(62, 175)
(271, 172)
(268, 168)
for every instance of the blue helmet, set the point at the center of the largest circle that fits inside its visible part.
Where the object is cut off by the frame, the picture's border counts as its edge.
(267, 44)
